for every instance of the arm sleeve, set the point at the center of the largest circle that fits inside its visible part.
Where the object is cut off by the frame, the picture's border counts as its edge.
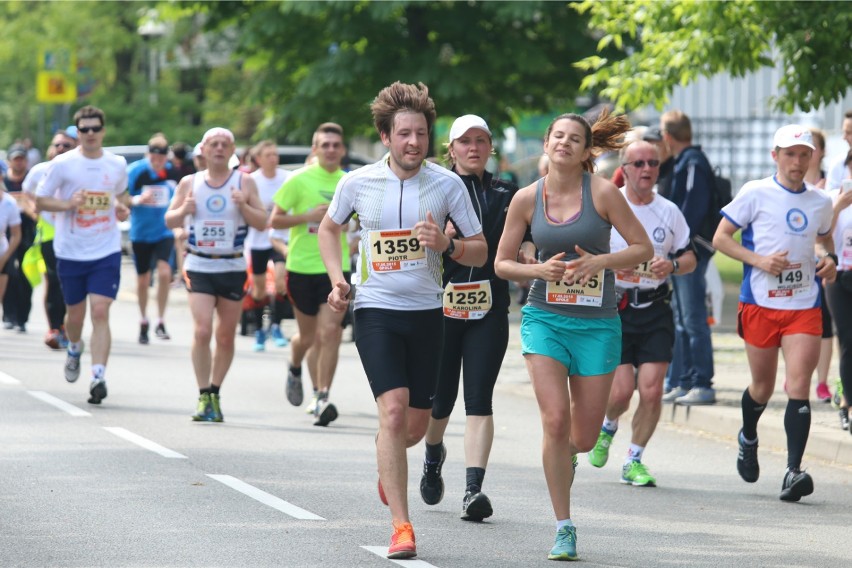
(342, 205)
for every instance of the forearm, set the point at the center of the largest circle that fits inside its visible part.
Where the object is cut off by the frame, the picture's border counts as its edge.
(629, 257)
(824, 245)
(472, 251)
(174, 218)
(328, 239)
(255, 217)
(283, 220)
(726, 244)
(52, 204)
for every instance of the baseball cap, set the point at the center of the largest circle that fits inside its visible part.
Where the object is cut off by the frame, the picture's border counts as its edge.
(71, 132)
(793, 135)
(16, 150)
(653, 134)
(464, 123)
(217, 131)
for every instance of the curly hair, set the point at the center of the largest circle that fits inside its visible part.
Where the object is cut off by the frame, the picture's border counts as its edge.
(606, 134)
(402, 97)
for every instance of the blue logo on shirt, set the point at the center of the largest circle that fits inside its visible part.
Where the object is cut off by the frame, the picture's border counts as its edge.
(659, 234)
(797, 220)
(216, 203)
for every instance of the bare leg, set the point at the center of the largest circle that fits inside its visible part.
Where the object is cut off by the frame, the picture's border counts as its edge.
(202, 307)
(101, 338)
(164, 279)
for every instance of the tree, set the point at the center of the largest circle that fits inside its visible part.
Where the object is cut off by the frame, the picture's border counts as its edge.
(672, 42)
(313, 62)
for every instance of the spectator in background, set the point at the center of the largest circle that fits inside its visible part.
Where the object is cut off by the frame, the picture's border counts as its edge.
(198, 159)
(692, 190)
(664, 181)
(634, 134)
(33, 153)
(838, 171)
(181, 161)
(17, 303)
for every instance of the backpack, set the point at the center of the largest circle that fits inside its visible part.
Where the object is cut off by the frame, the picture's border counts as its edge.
(722, 195)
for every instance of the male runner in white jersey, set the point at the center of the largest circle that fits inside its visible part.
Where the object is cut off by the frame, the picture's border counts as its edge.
(220, 205)
(647, 322)
(87, 187)
(786, 242)
(269, 179)
(403, 204)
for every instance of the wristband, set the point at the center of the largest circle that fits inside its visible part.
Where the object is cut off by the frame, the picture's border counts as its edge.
(136, 200)
(832, 256)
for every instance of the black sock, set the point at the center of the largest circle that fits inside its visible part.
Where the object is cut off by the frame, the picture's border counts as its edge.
(296, 370)
(751, 414)
(433, 452)
(279, 303)
(475, 477)
(797, 423)
(258, 317)
(214, 389)
(205, 391)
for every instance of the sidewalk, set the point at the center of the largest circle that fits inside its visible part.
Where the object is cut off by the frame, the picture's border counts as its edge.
(826, 442)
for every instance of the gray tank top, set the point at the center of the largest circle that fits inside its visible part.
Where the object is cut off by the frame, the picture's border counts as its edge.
(588, 230)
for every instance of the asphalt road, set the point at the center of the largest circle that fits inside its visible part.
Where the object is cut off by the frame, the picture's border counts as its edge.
(135, 483)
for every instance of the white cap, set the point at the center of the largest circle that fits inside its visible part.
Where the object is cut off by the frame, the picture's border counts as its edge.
(464, 123)
(793, 135)
(197, 150)
(217, 131)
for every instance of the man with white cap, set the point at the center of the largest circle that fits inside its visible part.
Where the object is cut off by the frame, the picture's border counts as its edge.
(786, 244)
(220, 204)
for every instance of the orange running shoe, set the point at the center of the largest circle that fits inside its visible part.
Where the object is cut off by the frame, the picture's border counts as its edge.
(382, 494)
(402, 542)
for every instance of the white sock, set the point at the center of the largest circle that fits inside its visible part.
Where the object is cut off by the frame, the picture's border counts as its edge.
(610, 425)
(98, 372)
(634, 453)
(564, 523)
(75, 346)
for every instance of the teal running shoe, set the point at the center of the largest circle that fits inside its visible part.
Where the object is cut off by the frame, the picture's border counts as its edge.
(205, 412)
(600, 453)
(278, 336)
(565, 547)
(636, 474)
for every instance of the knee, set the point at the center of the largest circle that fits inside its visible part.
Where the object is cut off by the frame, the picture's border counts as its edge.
(203, 333)
(418, 421)
(329, 334)
(651, 395)
(394, 418)
(557, 426)
(100, 313)
(225, 339)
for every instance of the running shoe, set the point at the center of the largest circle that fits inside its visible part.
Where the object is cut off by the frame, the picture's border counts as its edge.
(143, 333)
(278, 337)
(53, 339)
(72, 365)
(822, 393)
(294, 388)
(431, 483)
(216, 408)
(476, 506)
(796, 485)
(636, 474)
(600, 453)
(565, 547)
(205, 411)
(382, 497)
(326, 413)
(402, 541)
(844, 418)
(259, 340)
(747, 464)
(97, 391)
(161, 332)
(837, 399)
(311, 407)
(8, 324)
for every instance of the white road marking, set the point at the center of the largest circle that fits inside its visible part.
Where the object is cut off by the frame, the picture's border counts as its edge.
(58, 403)
(266, 498)
(144, 442)
(8, 379)
(409, 563)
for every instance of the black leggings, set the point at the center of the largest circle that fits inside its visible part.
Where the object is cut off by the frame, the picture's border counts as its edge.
(839, 295)
(480, 346)
(54, 304)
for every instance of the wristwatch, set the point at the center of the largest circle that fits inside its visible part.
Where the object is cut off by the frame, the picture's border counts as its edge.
(451, 248)
(675, 265)
(832, 256)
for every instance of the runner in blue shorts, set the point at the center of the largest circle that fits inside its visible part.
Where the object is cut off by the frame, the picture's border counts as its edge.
(570, 327)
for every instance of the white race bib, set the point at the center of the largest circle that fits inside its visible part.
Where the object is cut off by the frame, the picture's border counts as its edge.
(467, 300)
(396, 250)
(573, 294)
(793, 280)
(214, 233)
(159, 193)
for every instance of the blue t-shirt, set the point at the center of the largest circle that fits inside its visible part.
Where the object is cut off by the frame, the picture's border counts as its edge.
(148, 222)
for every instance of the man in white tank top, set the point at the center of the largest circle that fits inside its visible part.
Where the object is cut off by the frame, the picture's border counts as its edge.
(220, 203)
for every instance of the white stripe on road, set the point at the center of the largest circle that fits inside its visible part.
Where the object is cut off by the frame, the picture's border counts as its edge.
(266, 498)
(58, 403)
(8, 379)
(144, 442)
(411, 562)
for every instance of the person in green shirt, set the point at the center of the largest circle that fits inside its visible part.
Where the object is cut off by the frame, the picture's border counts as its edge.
(299, 206)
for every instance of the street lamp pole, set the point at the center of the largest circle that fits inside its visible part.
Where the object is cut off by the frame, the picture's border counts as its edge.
(151, 29)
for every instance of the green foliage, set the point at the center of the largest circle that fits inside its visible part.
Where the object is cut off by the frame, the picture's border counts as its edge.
(312, 62)
(673, 42)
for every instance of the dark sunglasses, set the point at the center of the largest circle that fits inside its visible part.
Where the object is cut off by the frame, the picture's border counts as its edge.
(87, 129)
(639, 164)
(65, 145)
(158, 150)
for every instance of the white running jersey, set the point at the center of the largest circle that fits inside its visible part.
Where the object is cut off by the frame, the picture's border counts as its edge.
(266, 188)
(775, 219)
(668, 231)
(31, 183)
(217, 227)
(10, 216)
(393, 271)
(89, 232)
(843, 235)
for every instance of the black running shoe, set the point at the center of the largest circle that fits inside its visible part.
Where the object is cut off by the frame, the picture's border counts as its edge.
(747, 464)
(476, 506)
(97, 391)
(431, 483)
(143, 333)
(796, 485)
(844, 419)
(326, 413)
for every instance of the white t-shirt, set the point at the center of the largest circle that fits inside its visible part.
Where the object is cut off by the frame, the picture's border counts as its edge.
(836, 174)
(10, 215)
(669, 233)
(90, 232)
(775, 219)
(31, 183)
(843, 235)
(393, 272)
(266, 188)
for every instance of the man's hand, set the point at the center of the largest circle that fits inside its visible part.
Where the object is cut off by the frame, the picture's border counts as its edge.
(430, 234)
(338, 298)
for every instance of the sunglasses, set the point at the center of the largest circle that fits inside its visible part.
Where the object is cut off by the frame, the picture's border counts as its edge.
(87, 129)
(65, 145)
(639, 164)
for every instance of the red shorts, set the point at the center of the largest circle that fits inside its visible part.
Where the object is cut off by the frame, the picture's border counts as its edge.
(764, 327)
